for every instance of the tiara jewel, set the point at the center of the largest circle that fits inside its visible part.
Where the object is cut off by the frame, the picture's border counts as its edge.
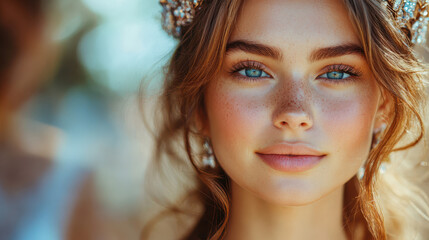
(412, 17)
(178, 13)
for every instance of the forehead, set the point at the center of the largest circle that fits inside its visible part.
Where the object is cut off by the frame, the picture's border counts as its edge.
(295, 24)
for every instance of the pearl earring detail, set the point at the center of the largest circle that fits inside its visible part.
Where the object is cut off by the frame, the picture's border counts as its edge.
(208, 158)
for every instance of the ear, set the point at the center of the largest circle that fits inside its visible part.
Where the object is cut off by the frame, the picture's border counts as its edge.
(384, 112)
(201, 124)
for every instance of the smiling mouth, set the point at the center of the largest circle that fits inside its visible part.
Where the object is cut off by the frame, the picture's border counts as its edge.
(290, 156)
(291, 162)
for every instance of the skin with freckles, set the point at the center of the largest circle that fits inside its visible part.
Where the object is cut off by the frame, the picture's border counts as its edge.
(329, 102)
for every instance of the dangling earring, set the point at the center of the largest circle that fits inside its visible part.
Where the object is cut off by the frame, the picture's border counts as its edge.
(208, 158)
(375, 141)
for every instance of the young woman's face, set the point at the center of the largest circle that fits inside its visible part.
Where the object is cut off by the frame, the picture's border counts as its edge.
(294, 78)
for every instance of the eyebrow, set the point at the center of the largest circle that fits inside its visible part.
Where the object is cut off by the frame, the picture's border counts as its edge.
(336, 51)
(275, 53)
(255, 48)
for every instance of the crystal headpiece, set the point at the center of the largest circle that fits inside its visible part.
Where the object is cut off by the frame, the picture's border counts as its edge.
(410, 15)
(178, 13)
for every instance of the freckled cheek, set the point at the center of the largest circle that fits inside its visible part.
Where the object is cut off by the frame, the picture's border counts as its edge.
(347, 124)
(234, 117)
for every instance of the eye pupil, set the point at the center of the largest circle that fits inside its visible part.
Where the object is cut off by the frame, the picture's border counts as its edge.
(335, 75)
(253, 73)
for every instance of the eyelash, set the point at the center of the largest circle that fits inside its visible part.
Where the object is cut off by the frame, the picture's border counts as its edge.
(354, 73)
(247, 65)
(331, 68)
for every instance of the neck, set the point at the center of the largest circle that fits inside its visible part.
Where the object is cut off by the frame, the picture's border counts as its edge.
(253, 218)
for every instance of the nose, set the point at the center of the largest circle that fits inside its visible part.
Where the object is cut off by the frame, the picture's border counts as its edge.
(293, 120)
(292, 108)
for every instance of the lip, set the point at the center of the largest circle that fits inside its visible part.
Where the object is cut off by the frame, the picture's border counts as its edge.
(290, 157)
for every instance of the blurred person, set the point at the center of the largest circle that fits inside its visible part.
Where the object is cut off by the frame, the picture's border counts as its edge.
(27, 58)
(279, 120)
(53, 175)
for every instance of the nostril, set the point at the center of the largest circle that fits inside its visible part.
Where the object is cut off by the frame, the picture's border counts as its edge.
(293, 122)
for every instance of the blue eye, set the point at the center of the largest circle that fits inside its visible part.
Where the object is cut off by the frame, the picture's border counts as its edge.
(249, 71)
(253, 73)
(335, 75)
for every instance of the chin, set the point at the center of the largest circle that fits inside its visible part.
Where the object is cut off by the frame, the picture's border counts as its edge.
(296, 194)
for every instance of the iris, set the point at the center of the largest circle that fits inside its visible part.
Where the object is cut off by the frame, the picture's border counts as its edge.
(253, 73)
(335, 75)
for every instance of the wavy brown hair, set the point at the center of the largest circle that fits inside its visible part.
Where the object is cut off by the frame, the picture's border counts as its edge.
(199, 57)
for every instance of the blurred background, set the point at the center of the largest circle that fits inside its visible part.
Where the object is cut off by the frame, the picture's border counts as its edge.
(72, 142)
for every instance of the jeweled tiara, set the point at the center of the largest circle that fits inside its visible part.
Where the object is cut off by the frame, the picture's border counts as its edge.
(411, 16)
(177, 14)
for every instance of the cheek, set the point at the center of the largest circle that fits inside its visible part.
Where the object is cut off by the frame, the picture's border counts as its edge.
(347, 122)
(235, 118)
